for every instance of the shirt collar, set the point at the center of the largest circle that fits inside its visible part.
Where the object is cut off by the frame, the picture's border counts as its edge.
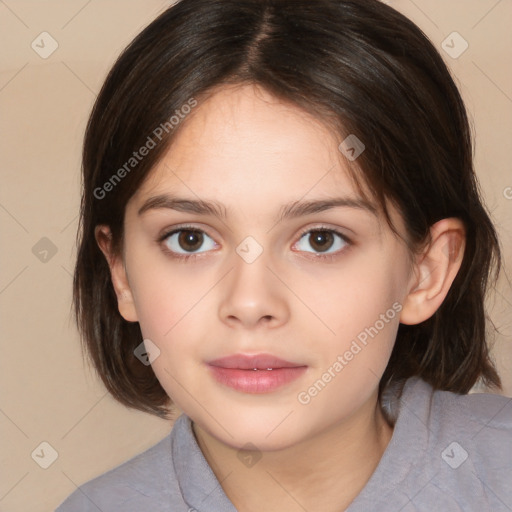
(198, 484)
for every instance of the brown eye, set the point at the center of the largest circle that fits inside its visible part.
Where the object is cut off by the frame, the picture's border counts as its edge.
(188, 241)
(321, 241)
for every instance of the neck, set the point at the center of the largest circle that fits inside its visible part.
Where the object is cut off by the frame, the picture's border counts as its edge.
(323, 472)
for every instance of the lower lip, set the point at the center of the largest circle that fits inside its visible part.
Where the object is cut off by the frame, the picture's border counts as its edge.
(256, 381)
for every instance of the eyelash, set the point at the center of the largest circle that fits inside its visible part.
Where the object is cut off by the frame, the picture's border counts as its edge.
(192, 256)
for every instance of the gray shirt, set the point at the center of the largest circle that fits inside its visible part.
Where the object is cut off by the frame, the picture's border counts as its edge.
(448, 453)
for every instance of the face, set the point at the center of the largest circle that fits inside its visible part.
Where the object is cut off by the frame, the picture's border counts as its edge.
(287, 261)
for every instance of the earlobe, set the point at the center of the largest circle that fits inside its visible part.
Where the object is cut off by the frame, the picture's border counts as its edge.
(434, 271)
(125, 302)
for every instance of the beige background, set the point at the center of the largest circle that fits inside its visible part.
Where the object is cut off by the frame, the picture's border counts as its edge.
(47, 392)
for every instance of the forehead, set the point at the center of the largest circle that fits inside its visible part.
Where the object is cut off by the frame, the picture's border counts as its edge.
(242, 140)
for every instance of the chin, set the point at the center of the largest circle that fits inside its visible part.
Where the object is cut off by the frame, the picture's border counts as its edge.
(266, 433)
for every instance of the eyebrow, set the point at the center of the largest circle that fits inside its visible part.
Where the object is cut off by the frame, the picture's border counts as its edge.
(289, 211)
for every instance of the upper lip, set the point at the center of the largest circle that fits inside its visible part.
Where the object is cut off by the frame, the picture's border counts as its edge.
(250, 362)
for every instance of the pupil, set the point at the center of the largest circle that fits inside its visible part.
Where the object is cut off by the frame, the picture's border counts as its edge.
(321, 240)
(190, 240)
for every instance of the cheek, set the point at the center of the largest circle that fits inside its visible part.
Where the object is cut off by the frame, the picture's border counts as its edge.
(165, 292)
(171, 306)
(361, 305)
(356, 296)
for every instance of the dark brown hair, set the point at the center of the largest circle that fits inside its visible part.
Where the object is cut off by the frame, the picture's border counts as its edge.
(358, 63)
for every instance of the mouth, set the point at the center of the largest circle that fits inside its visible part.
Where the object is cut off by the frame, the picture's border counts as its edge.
(256, 362)
(261, 373)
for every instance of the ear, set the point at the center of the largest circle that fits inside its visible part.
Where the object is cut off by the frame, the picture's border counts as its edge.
(434, 271)
(125, 302)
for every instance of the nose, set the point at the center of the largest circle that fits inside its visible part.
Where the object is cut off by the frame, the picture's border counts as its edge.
(252, 296)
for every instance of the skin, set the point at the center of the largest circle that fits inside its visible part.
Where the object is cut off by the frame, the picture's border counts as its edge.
(252, 154)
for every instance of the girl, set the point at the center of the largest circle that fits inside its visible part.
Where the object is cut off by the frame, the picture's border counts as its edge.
(283, 246)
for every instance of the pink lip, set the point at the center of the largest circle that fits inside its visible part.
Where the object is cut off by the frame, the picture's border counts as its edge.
(261, 373)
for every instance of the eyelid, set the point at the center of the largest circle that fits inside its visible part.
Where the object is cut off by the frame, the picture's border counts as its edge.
(167, 232)
(323, 227)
